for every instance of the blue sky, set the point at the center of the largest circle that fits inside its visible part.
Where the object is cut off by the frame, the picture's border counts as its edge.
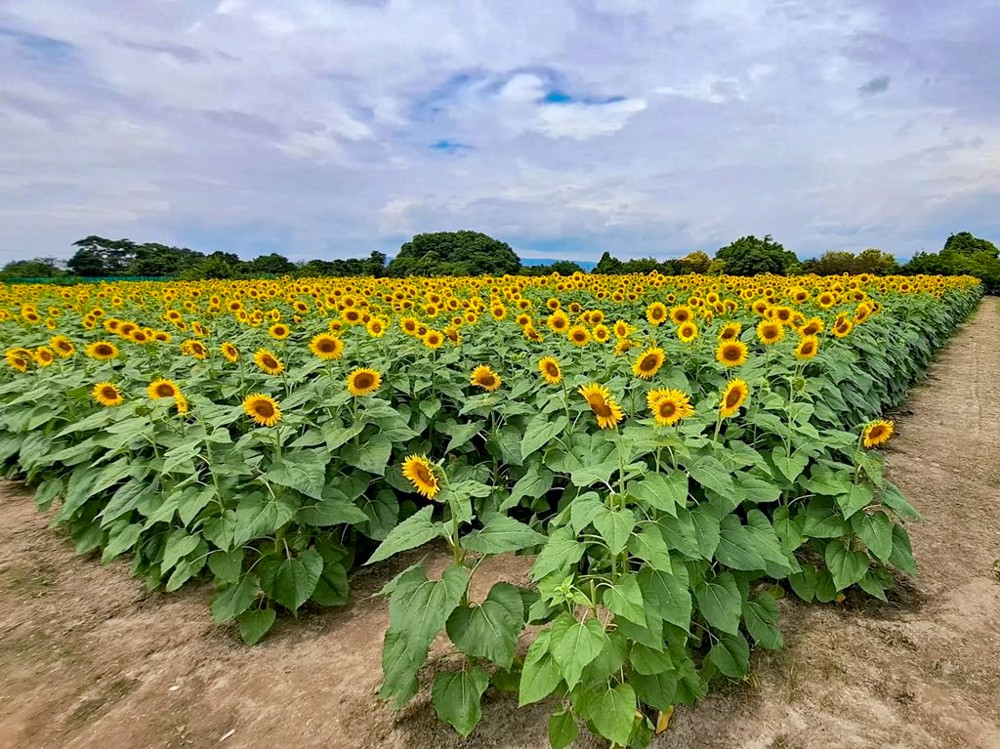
(328, 129)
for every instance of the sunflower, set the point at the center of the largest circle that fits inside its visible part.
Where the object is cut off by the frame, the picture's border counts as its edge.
(268, 362)
(17, 361)
(807, 348)
(648, 363)
(163, 389)
(433, 339)
(812, 327)
(731, 353)
(878, 433)
(558, 321)
(485, 378)
(656, 313)
(230, 352)
(608, 412)
(107, 394)
(376, 327)
(62, 346)
(625, 345)
(770, 331)
(326, 346)
(732, 398)
(263, 409)
(730, 331)
(195, 348)
(102, 350)
(601, 333)
(420, 472)
(669, 406)
(826, 300)
(363, 381)
(680, 314)
(842, 327)
(623, 329)
(579, 335)
(687, 332)
(44, 356)
(550, 370)
(279, 331)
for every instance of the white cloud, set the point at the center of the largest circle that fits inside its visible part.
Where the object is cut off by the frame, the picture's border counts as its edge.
(334, 128)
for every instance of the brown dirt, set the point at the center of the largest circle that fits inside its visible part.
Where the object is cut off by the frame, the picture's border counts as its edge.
(88, 658)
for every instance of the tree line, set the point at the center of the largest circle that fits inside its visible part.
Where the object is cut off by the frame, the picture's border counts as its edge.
(470, 253)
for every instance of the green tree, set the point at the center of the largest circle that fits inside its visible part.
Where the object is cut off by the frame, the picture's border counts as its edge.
(748, 256)
(271, 264)
(696, 262)
(43, 267)
(966, 244)
(454, 253)
(608, 266)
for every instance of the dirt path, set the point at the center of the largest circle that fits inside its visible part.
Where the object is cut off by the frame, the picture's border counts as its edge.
(88, 658)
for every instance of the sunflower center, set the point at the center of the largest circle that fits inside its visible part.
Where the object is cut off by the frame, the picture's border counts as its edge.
(263, 409)
(487, 380)
(876, 432)
(423, 475)
(667, 409)
(326, 345)
(269, 362)
(551, 369)
(164, 390)
(363, 381)
(109, 393)
(732, 398)
(807, 347)
(104, 350)
(648, 363)
(731, 353)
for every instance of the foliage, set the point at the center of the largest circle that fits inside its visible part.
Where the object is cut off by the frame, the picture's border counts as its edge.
(962, 255)
(660, 550)
(872, 261)
(750, 256)
(454, 253)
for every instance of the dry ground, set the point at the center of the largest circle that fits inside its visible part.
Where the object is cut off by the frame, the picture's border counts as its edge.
(88, 658)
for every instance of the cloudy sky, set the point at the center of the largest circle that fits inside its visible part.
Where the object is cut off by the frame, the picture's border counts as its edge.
(566, 127)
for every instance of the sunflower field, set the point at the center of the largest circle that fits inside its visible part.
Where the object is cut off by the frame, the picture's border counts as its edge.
(677, 453)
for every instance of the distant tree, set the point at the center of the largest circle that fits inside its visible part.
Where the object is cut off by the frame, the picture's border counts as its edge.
(608, 266)
(716, 268)
(154, 259)
(272, 264)
(876, 262)
(749, 256)
(43, 267)
(562, 267)
(832, 263)
(115, 255)
(965, 243)
(696, 262)
(454, 253)
(88, 263)
(219, 265)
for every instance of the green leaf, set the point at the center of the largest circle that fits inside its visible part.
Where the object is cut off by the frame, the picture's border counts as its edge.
(574, 645)
(415, 531)
(490, 629)
(256, 623)
(457, 696)
(535, 483)
(624, 598)
(649, 545)
(760, 615)
(875, 530)
(563, 730)
(856, 499)
(292, 581)
(804, 583)
(401, 659)
(665, 492)
(333, 509)
(615, 527)
(846, 566)
(719, 601)
(560, 552)
(791, 466)
(731, 655)
(121, 542)
(737, 547)
(823, 520)
(539, 431)
(710, 473)
(611, 711)
(233, 600)
(462, 433)
(256, 518)
(902, 554)
(303, 471)
(666, 595)
(372, 455)
(226, 565)
(893, 498)
(336, 434)
(419, 607)
(179, 544)
(540, 674)
(656, 690)
(501, 534)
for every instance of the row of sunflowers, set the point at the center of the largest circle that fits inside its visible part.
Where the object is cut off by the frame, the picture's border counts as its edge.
(677, 452)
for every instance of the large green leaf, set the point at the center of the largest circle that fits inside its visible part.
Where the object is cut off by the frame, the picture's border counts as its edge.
(539, 432)
(489, 629)
(845, 565)
(648, 544)
(624, 598)
(666, 595)
(719, 601)
(760, 614)
(415, 531)
(854, 500)
(457, 696)
(611, 710)
(574, 645)
(292, 581)
(615, 527)
(540, 674)
(372, 455)
(303, 471)
(665, 492)
(731, 655)
(560, 552)
(501, 534)
(419, 607)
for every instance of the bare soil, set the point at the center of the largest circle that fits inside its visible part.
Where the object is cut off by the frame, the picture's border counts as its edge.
(89, 658)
